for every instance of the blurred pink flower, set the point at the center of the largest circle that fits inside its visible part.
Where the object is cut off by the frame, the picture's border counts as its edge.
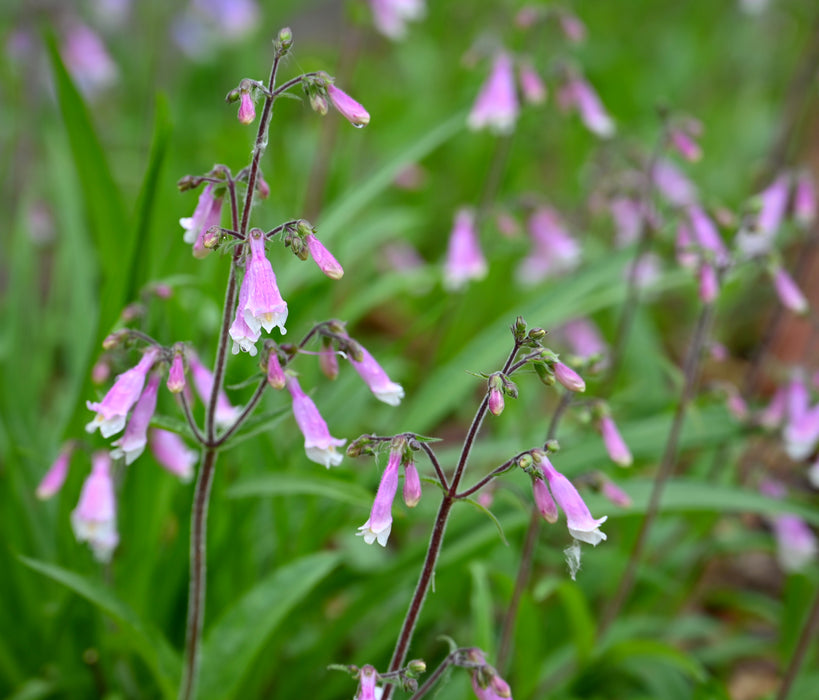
(543, 500)
(54, 478)
(176, 374)
(579, 95)
(532, 86)
(132, 443)
(804, 200)
(367, 689)
(496, 107)
(87, 59)
(672, 184)
(554, 251)
(374, 376)
(464, 259)
(789, 294)
(225, 414)
(171, 453)
(247, 110)
(616, 447)
(614, 494)
(392, 16)
(94, 518)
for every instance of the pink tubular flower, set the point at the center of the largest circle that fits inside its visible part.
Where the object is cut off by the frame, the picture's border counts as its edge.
(615, 494)
(87, 59)
(570, 379)
(573, 28)
(132, 443)
(584, 339)
(582, 526)
(706, 234)
(496, 107)
(804, 200)
(391, 16)
(247, 110)
(275, 374)
(176, 374)
(774, 203)
(801, 434)
(208, 213)
(627, 214)
(348, 107)
(382, 387)
(773, 414)
(412, 485)
(263, 306)
(495, 401)
(684, 247)
(553, 252)
(531, 85)
(367, 678)
(796, 544)
(789, 293)
(54, 478)
(615, 445)
(672, 184)
(328, 361)
(225, 414)
(578, 94)
(319, 445)
(323, 258)
(543, 500)
(709, 283)
(94, 518)
(100, 371)
(379, 524)
(172, 453)
(464, 259)
(244, 337)
(685, 145)
(113, 409)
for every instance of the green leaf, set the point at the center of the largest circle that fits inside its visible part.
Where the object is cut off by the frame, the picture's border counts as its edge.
(147, 641)
(482, 609)
(652, 651)
(312, 484)
(234, 641)
(581, 621)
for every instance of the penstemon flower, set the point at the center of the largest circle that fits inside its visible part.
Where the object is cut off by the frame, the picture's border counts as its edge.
(615, 445)
(531, 85)
(578, 94)
(171, 453)
(412, 485)
(208, 213)
(543, 500)
(275, 374)
(132, 443)
(176, 374)
(554, 251)
(94, 518)
(464, 259)
(319, 445)
(247, 110)
(243, 336)
(323, 258)
(391, 16)
(379, 524)
(789, 293)
(804, 200)
(262, 306)
(54, 478)
(113, 409)
(570, 379)
(496, 107)
(367, 689)
(382, 387)
(351, 110)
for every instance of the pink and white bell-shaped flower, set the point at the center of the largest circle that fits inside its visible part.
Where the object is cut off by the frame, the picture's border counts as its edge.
(367, 678)
(171, 452)
(351, 110)
(94, 520)
(113, 409)
(390, 17)
(208, 213)
(464, 258)
(616, 447)
(374, 376)
(379, 524)
(244, 337)
(582, 526)
(247, 110)
(801, 434)
(54, 478)
(570, 379)
(132, 443)
(263, 306)
(176, 374)
(496, 107)
(319, 445)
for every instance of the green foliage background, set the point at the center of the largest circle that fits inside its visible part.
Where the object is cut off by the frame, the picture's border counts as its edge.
(291, 588)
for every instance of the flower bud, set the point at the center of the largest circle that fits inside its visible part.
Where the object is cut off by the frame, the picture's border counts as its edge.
(525, 461)
(285, 38)
(412, 485)
(570, 379)
(114, 339)
(176, 375)
(230, 98)
(275, 373)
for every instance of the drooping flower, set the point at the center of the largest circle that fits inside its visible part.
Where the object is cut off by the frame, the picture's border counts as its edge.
(412, 485)
(247, 110)
(87, 59)
(319, 445)
(244, 337)
(496, 107)
(94, 518)
(543, 500)
(796, 545)
(582, 526)
(531, 84)
(208, 213)
(176, 374)
(323, 258)
(225, 414)
(275, 374)
(685, 145)
(351, 110)
(585, 340)
(554, 251)
(672, 184)
(773, 204)
(263, 306)
(706, 235)
(789, 293)
(379, 524)
(464, 258)
(367, 689)
(801, 434)
(709, 283)
(114, 407)
(374, 376)
(392, 16)
(804, 200)
(132, 443)
(486, 682)
(570, 379)
(578, 94)
(171, 452)
(54, 478)
(615, 494)
(616, 447)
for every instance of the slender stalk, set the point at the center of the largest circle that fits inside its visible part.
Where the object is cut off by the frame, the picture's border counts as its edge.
(496, 472)
(436, 539)
(433, 678)
(691, 374)
(528, 553)
(186, 409)
(808, 632)
(436, 464)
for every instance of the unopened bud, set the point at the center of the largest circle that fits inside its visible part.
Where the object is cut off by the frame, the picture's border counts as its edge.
(285, 38)
(212, 237)
(304, 228)
(233, 95)
(509, 387)
(544, 373)
(552, 446)
(187, 183)
(526, 461)
(318, 103)
(519, 328)
(537, 333)
(359, 446)
(114, 339)
(416, 667)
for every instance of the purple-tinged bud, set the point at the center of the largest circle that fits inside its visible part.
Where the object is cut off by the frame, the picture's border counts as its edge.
(615, 445)
(319, 445)
(706, 234)
(543, 500)
(323, 258)
(100, 371)
(804, 200)
(464, 258)
(318, 103)
(570, 379)
(54, 478)
(615, 494)
(709, 283)
(789, 293)
(114, 407)
(132, 443)
(367, 678)
(382, 387)
(285, 38)
(275, 374)
(412, 485)
(112, 340)
(496, 106)
(176, 374)
(351, 110)
(531, 85)
(582, 526)
(328, 362)
(379, 524)
(247, 110)
(262, 187)
(94, 520)
(233, 96)
(172, 453)
(495, 395)
(773, 205)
